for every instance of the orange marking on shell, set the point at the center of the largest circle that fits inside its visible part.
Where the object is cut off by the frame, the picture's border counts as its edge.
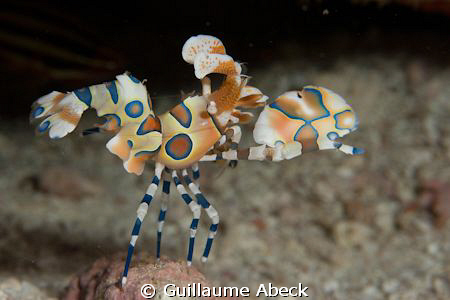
(203, 132)
(290, 106)
(121, 149)
(58, 98)
(312, 108)
(111, 124)
(218, 49)
(308, 138)
(345, 120)
(69, 116)
(152, 123)
(283, 125)
(136, 164)
(307, 107)
(180, 113)
(55, 102)
(180, 146)
(325, 126)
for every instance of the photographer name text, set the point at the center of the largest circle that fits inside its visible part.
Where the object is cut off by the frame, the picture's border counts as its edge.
(197, 290)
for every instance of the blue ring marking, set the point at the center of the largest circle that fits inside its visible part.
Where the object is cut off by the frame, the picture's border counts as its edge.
(44, 126)
(336, 120)
(147, 199)
(275, 106)
(114, 116)
(112, 88)
(133, 104)
(141, 130)
(130, 144)
(189, 114)
(202, 200)
(186, 198)
(84, 94)
(38, 111)
(166, 187)
(300, 129)
(134, 79)
(358, 150)
(144, 152)
(332, 135)
(169, 144)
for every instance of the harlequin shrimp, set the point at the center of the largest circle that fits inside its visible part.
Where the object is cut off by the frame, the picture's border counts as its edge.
(201, 128)
(175, 140)
(298, 122)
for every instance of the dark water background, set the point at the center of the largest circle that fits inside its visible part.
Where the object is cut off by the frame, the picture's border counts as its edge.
(47, 44)
(350, 227)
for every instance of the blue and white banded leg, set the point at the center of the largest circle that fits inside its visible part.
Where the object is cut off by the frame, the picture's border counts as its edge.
(162, 215)
(347, 149)
(210, 210)
(195, 172)
(141, 212)
(196, 212)
(331, 143)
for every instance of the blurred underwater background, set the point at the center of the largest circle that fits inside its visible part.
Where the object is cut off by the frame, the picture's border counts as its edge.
(373, 226)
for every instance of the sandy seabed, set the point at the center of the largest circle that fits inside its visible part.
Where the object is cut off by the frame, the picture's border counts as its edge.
(348, 227)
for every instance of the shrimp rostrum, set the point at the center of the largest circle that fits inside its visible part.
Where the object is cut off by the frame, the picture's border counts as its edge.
(201, 127)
